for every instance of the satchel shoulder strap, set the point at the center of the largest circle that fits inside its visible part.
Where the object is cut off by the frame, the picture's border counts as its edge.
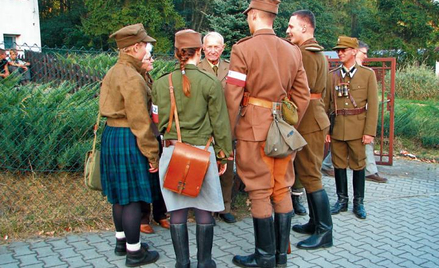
(95, 132)
(174, 113)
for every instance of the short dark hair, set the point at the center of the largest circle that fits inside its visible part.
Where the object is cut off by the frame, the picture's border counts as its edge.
(307, 16)
(361, 44)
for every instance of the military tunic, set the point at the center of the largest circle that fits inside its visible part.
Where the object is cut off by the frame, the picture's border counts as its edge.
(315, 123)
(227, 178)
(269, 68)
(223, 69)
(203, 114)
(346, 138)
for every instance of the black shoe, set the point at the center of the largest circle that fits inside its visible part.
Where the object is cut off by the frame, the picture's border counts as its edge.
(227, 217)
(299, 209)
(141, 257)
(121, 248)
(359, 211)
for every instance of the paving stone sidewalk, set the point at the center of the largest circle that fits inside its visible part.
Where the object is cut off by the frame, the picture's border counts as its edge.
(401, 230)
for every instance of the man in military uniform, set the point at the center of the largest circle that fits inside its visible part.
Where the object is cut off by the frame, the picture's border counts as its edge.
(353, 103)
(313, 128)
(213, 47)
(266, 68)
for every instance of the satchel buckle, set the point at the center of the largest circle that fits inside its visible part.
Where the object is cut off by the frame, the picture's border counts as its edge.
(181, 186)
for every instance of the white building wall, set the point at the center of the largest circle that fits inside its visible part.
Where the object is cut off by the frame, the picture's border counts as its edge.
(21, 19)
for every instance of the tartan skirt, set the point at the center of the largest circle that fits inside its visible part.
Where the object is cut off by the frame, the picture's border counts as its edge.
(125, 176)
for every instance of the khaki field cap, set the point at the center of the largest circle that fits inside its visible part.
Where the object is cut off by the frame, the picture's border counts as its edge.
(187, 39)
(130, 35)
(346, 42)
(271, 6)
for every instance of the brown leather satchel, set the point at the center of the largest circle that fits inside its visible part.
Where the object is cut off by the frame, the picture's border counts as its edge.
(189, 164)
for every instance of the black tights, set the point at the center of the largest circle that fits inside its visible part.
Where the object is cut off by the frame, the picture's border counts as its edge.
(127, 219)
(201, 216)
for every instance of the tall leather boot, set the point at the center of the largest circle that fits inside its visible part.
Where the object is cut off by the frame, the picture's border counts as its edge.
(341, 185)
(180, 242)
(264, 255)
(359, 185)
(307, 228)
(204, 246)
(322, 236)
(282, 223)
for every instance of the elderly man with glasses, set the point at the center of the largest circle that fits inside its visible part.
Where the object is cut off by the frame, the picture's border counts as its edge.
(352, 103)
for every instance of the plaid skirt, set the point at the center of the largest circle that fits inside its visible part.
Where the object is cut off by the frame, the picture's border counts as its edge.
(125, 176)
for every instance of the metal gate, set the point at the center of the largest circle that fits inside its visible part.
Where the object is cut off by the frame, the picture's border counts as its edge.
(385, 69)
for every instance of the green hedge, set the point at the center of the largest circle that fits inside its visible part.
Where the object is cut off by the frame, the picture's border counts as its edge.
(45, 127)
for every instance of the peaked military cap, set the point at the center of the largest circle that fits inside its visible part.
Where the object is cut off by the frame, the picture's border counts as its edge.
(130, 35)
(271, 6)
(346, 42)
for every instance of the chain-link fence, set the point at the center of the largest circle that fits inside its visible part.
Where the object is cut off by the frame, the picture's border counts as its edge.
(46, 128)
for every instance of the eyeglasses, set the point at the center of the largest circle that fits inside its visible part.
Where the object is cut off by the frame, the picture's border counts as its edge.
(365, 53)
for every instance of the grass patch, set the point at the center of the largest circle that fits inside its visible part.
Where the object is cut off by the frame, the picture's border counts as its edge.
(38, 205)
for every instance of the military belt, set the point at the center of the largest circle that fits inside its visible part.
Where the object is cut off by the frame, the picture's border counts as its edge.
(263, 103)
(316, 96)
(353, 111)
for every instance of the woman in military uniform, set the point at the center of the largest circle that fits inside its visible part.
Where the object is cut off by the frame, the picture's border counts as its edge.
(129, 149)
(202, 114)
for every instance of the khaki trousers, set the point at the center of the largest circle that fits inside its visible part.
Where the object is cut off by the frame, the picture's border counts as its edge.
(267, 180)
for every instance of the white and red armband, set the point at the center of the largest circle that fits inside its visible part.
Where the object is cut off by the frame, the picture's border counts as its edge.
(236, 78)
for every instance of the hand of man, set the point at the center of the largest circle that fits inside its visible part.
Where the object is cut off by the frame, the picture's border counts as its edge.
(367, 139)
(328, 138)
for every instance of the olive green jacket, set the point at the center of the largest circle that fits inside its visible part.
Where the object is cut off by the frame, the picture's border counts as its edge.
(203, 114)
(124, 101)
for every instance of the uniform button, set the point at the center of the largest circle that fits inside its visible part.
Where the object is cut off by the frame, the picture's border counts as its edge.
(346, 103)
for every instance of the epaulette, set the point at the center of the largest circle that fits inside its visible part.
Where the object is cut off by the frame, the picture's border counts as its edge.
(314, 47)
(367, 68)
(244, 39)
(289, 41)
(335, 69)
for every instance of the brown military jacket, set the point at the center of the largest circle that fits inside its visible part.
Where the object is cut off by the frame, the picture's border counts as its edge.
(124, 101)
(270, 72)
(363, 88)
(316, 68)
(223, 69)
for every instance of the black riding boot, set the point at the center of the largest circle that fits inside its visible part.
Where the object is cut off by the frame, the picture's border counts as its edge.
(265, 249)
(204, 246)
(282, 223)
(359, 185)
(307, 228)
(341, 185)
(180, 242)
(322, 237)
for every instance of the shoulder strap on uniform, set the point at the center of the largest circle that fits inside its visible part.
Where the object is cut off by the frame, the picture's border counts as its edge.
(244, 39)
